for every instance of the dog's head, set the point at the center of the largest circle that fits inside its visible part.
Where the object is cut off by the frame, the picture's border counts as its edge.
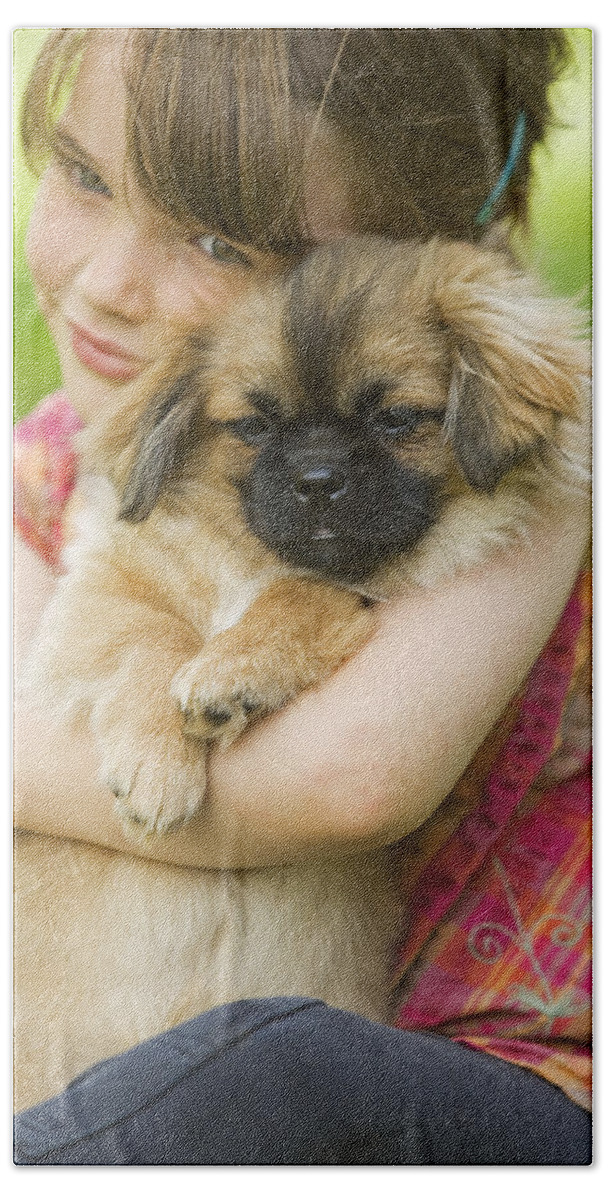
(346, 404)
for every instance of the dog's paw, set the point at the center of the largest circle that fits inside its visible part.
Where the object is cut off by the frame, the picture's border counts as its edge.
(220, 696)
(158, 787)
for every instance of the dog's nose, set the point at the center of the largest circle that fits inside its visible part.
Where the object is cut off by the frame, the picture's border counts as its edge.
(320, 484)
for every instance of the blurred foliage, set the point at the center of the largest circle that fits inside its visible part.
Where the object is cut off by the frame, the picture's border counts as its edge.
(559, 239)
(557, 243)
(35, 366)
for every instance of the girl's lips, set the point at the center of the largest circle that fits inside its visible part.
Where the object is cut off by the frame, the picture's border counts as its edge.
(104, 358)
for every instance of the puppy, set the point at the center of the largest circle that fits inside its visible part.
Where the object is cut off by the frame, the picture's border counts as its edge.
(385, 414)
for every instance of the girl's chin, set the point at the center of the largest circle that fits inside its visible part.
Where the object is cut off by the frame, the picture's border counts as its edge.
(87, 392)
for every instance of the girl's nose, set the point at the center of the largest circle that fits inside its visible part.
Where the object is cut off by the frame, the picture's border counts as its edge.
(117, 277)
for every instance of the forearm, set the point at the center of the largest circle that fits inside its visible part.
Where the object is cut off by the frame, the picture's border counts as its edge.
(363, 759)
(368, 757)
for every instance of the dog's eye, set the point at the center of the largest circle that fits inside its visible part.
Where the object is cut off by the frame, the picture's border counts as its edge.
(253, 431)
(397, 422)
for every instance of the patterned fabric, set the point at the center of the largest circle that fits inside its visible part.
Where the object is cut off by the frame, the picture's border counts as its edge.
(497, 882)
(498, 953)
(44, 465)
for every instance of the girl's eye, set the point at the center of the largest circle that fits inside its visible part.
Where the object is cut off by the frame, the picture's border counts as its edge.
(397, 422)
(222, 251)
(85, 178)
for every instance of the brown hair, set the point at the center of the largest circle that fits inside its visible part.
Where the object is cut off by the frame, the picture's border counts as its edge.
(221, 122)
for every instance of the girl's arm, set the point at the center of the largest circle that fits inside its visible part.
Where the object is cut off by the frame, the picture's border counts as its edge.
(358, 762)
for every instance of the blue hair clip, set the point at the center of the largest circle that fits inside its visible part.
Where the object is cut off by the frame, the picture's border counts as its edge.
(515, 150)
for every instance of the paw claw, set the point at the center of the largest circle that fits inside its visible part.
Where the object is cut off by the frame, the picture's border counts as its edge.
(218, 698)
(160, 789)
(119, 790)
(137, 825)
(216, 715)
(130, 819)
(225, 717)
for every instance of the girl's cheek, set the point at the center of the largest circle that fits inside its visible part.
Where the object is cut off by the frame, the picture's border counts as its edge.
(37, 250)
(197, 290)
(50, 241)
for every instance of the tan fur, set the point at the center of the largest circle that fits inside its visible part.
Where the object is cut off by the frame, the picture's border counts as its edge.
(158, 623)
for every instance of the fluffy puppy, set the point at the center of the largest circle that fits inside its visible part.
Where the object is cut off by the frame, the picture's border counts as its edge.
(385, 413)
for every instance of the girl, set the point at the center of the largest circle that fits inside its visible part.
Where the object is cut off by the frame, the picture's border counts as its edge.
(187, 165)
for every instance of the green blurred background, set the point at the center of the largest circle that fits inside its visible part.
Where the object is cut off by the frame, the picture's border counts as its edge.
(558, 243)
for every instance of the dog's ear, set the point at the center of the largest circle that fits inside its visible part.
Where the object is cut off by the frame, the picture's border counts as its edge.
(488, 439)
(169, 429)
(518, 359)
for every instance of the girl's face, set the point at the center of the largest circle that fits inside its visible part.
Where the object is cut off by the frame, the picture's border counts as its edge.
(121, 283)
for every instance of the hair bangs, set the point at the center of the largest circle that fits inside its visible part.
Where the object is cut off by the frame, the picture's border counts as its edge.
(214, 135)
(48, 91)
(223, 125)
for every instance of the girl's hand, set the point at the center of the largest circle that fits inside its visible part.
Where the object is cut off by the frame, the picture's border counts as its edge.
(358, 762)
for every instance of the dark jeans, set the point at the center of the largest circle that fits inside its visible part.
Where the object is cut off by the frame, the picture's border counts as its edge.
(290, 1081)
